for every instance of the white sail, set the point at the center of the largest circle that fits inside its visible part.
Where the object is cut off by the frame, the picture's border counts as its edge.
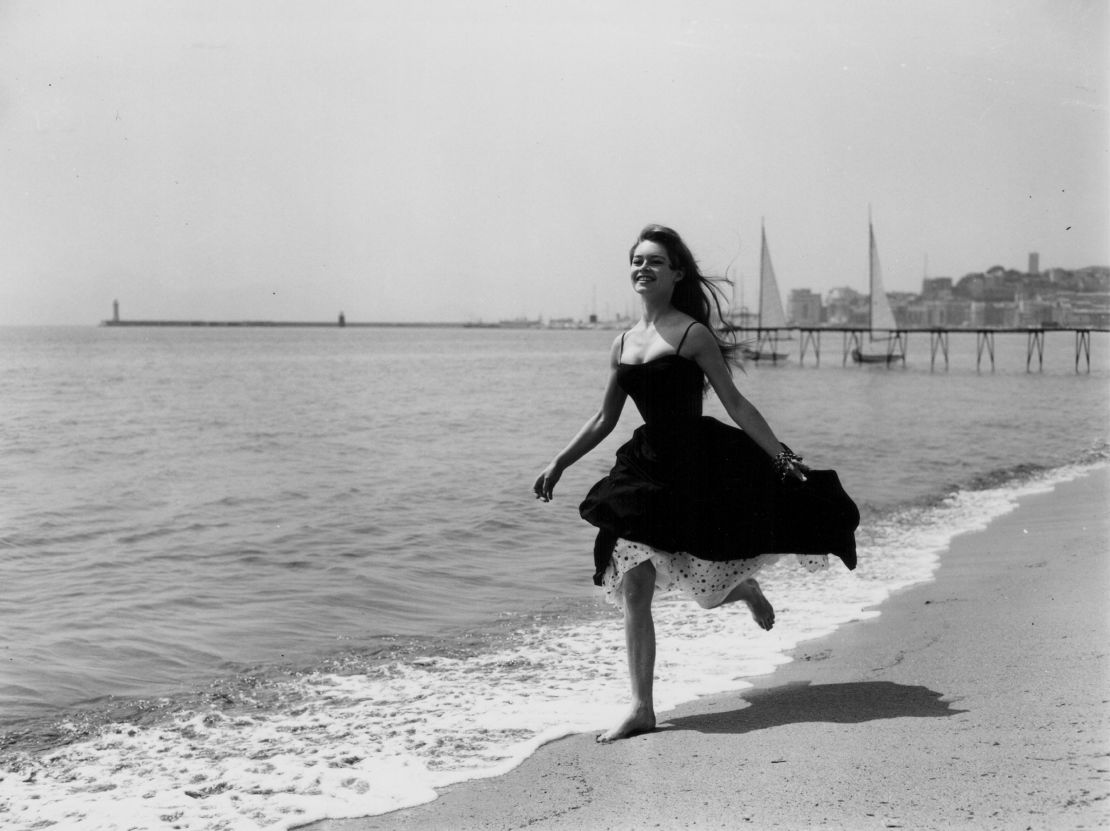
(882, 317)
(770, 304)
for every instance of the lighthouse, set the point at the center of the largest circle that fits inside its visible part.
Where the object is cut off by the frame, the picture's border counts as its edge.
(115, 311)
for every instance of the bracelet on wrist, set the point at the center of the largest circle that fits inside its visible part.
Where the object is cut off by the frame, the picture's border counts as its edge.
(783, 462)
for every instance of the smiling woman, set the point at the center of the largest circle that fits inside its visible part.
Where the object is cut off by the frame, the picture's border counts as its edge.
(691, 504)
(664, 270)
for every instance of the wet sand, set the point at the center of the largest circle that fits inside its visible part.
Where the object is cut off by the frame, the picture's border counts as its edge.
(980, 700)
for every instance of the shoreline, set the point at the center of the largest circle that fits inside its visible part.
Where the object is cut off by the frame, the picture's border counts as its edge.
(974, 700)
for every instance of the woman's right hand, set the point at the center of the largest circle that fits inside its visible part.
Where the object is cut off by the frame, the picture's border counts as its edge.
(545, 483)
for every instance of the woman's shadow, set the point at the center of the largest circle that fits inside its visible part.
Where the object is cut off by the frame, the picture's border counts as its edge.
(802, 702)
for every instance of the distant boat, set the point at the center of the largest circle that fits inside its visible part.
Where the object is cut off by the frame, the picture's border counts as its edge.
(771, 316)
(881, 316)
(874, 358)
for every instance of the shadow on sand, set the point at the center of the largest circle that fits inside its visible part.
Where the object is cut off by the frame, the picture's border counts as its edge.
(802, 702)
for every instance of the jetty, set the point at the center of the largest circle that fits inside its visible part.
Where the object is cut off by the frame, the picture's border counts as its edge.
(340, 322)
(290, 324)
(896, 342)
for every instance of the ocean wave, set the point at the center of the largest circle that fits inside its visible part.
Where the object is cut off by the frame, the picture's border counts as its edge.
(1029, 472)
(1001, 478)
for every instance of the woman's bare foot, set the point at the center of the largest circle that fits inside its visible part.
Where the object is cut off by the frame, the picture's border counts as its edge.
(640, 720)
(762, 610)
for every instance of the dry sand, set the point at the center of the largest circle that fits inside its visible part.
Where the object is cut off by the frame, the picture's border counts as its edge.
(978, 700)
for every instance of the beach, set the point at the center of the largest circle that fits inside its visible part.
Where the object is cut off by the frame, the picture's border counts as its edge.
(238, 599)
(975, 700)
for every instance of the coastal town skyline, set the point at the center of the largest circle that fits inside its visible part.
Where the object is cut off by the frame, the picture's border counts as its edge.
(441, 161)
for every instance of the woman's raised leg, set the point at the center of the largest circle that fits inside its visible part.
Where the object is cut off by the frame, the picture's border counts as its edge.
(761, 608)
(638, 588)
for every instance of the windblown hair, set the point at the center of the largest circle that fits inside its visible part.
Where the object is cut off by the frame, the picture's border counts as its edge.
(696, 294)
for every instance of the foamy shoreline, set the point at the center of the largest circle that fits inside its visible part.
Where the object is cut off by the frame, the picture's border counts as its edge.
(974, 701)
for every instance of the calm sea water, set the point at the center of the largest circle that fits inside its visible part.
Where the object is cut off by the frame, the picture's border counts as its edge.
(254, 577)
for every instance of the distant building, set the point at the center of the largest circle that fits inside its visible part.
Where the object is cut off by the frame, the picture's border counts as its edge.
(846, 307)
(1034, 262)
(900, 302)
(1041, 313)
(994, 315)
(805, 308)
(936, 288)
(1092, 310)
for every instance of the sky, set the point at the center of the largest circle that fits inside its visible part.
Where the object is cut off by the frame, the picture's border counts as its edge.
(490, 159)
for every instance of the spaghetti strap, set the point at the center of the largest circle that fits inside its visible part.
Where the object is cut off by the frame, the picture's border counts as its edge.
(621, 355)
(684, 334)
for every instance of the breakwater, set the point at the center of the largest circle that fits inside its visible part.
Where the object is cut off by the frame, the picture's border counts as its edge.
(330, 324)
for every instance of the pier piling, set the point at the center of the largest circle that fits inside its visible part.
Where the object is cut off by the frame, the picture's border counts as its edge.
(853, 339)
(984, 338)
(938, 338)
(1035, 341)
(813, 338)
(1083, 345)
(897, 344)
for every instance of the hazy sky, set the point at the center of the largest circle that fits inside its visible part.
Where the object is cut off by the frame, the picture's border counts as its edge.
(433, 160)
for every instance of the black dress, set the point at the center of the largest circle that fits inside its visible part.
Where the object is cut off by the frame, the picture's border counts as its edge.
(685, 482)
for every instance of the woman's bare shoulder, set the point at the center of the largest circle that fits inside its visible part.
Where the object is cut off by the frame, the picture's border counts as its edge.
(697, 332)
(616, 348)
(701, 341)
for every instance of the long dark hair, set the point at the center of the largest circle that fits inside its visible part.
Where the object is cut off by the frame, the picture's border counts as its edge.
(696, 294)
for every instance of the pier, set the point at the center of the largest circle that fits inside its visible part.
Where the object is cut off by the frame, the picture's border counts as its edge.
(891, 345)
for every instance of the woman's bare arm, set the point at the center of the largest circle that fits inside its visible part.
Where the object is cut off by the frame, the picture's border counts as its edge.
(592, 433)
(703, 349)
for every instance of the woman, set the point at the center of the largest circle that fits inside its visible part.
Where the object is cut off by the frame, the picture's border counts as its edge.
(691, 503)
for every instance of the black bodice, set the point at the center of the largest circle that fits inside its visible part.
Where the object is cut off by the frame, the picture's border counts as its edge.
(664, 390)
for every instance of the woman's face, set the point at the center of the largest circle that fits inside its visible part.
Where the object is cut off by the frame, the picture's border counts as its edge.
(651, 270)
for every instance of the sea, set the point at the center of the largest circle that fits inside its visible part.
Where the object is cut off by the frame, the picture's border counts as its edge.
(255, 577)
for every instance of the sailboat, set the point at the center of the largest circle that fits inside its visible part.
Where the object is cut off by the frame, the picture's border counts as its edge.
(771, 316)
(881, 317)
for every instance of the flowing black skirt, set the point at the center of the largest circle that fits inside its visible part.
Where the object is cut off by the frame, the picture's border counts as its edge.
(705, 488)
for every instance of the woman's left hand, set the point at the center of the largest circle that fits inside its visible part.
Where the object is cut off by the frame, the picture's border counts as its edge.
(788, 463)
(545, 483)
(798, 471)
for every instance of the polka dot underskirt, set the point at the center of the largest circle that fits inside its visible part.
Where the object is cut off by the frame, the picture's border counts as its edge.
(705, 582)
